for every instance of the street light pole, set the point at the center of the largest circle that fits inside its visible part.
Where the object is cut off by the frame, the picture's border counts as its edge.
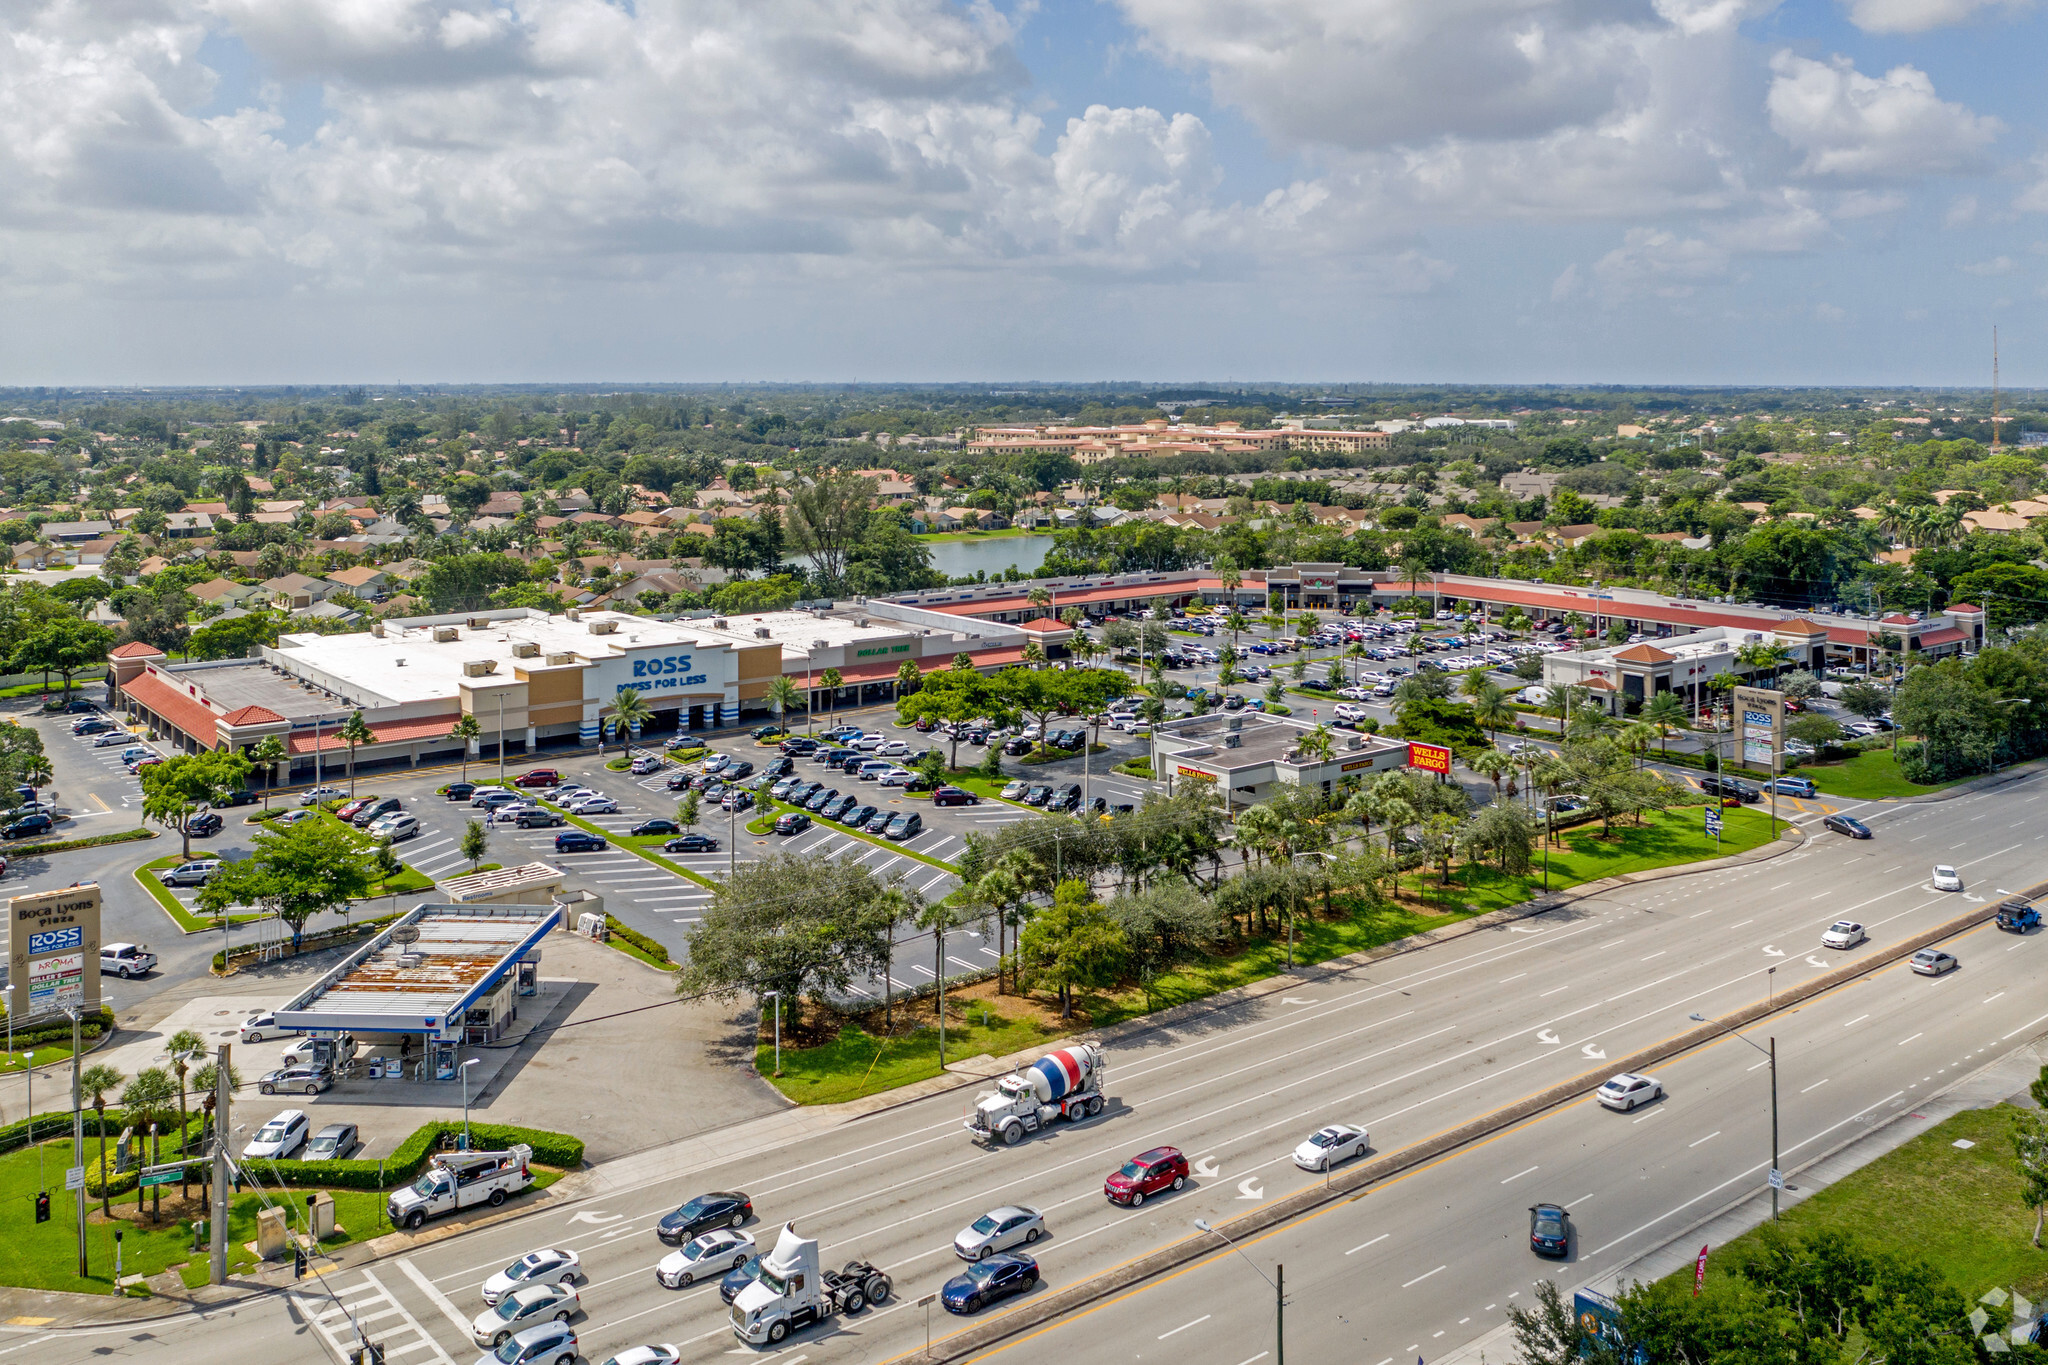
(1278, 1279)
(1777, 1172)
(776, 996)
(78, 1132)
(223, 1088)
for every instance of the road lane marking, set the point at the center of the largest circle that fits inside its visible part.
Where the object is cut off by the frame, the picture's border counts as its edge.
(1903, 1041)
(1518, 1175)
(463, 1325)
(1857, 1020)
(1420, 1278)
(1184, 1326)
(1708, 1138)
(1989, 998)
(1373, 1243)
(1816, 1085)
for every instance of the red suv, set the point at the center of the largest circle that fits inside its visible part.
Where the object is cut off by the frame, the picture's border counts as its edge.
(1162, 1168)
(539, 777)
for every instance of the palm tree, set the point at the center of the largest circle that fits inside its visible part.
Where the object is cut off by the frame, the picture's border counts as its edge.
(93, 1085)
(1235, 622)
(466, 731)
(146, 1100)
(1490, 708)
(1317, 743)
(1665, 715)
(1357, 656)
(831, 680)
(355, 731)
(630, 711)
(781, 695)
(1040, 598)
(1636, 739)
(1493, 764)
(267, 754)
(186, 1047)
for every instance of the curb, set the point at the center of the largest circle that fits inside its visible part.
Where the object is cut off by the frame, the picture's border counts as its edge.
(1356, 1182)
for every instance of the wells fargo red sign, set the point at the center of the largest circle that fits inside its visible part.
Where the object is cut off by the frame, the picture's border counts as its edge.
(1433, 758)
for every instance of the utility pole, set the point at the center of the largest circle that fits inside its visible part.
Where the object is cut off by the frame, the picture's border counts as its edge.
(78, 1134)
(222, 1092)
(501, 737)
(1776, 1170)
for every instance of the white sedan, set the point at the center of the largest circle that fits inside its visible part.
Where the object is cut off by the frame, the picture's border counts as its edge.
(1843, 933)
(663, 1354)
(593, 805)
(1626, 1091)
(523, 1308)
(1327, 1146)
(897, 777)
(894, 748)
(319, 794)
(535, 1267)
(714, 1253)
(1947, 878)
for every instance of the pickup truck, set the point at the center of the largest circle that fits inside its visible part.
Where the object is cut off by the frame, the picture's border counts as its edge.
(461, 1180)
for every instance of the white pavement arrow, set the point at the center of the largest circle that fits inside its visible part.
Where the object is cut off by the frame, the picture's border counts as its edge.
(1518, 929)
(598, 1217)
(1813, 961)
(1295, 1000)
(1594, 1052)
(1206, 1169)
(1546, 1037)
(1250, 1188)
(1977, 900)
(1769, 951)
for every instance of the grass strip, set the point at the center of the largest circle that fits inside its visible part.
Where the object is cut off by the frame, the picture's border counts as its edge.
(633, 943)
(185, 920)
(91, 841)
(765, 824)
(637, 847)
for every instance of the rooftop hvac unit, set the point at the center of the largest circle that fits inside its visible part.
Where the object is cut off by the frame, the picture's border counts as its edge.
(604, 627)
(1233, 740)
(572, 614)
(820, 644)
(398, 663)
(479, 623)
(718, 623)
(377, 629)
(444, 634)
(478, 668)
(763, 633)
(861, 621)
(557, 660)
(525, 649)
(1355, 742)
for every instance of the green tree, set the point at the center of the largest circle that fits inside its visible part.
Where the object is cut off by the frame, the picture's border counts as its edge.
(1074, 943)
(1665, 715)
(687, 810)
(782, 697)
(295, 873)
(629, 713)
(831, 681)
(2030, 1153)
(176, 790)
(186, 1048)
(826, 517)
(354, 732)
(476, 842)
(465, 582)
(266, 754)
(146, 1100)
(63, 646)
(94, 1083)
(1862, 699)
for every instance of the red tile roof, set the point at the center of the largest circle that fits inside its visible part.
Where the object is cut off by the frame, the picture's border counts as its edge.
(135, 649)
(172, 704)
(1643, 654)
(251, 715)
(1948, 636)
(1963, 606)
(387, 732)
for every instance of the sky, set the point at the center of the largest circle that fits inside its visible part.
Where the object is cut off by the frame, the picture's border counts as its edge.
(1485, 191)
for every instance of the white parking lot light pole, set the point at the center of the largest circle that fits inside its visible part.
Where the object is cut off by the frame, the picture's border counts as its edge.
(464, 1069)
(776, 996)
(1777, 1177)
(1278, 1279)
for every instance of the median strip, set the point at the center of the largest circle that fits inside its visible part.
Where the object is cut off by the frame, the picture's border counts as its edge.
(614, 841)
(1356, 1182)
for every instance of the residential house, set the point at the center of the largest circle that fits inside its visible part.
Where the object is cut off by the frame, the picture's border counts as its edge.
(225, 592)
(74, 531)
(364, 581)
(504, 503)
(1571, 537)
(187, 524)
(296, 592)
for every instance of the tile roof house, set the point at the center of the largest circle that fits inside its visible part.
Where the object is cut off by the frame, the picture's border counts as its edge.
(295, 591)
(226, 592)
(364, 581)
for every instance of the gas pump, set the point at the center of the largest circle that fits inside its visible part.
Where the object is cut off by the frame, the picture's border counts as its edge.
(442, 1055)
(529, 978)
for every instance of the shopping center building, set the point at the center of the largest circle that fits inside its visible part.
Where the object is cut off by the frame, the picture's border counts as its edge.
(531, 678)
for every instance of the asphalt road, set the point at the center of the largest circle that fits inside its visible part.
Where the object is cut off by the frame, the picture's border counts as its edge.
(1410, 1047)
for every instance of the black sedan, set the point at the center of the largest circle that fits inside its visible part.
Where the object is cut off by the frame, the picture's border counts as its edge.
(1550, 1230)
(954, 796)
(996, 1277)
(738, 1278)
(651, 827)
(723, 1209)
(680, 781)
(579, 841)
(792, 822)
(459, 791)
(734, 772)
(203, 824)
(1846, 824)
(691, 843)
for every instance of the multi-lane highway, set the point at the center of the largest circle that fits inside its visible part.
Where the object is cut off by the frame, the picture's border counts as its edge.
(1409, 1046)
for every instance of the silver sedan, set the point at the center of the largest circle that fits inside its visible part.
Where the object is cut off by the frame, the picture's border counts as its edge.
(998, 1230)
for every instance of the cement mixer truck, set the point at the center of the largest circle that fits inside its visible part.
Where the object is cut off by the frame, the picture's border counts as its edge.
(1060, 1085)
(792, 1292)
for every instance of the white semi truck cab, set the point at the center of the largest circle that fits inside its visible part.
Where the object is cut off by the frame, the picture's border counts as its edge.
(461, 1180)
(1060, 1085)
(792, 1292)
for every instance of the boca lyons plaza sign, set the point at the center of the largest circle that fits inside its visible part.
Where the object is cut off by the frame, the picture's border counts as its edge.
(53, 944)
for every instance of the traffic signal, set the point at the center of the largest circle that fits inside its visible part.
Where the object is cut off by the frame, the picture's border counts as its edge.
(298, 1263)
(43, 1206)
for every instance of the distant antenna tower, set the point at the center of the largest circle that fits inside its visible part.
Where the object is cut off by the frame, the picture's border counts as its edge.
(1994, 390)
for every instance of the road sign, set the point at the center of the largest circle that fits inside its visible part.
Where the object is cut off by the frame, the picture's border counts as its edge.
(1777, 1178)
(74, 1179)
(150, 1178)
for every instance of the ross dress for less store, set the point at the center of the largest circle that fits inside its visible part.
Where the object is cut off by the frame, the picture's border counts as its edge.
(530, 676)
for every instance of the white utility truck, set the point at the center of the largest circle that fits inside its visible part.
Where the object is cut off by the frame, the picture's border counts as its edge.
(461, 1180)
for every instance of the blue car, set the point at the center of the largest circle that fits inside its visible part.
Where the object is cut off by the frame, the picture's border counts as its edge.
(985, 1281)
(1794, 786)
(579, 841)
(738, 1278)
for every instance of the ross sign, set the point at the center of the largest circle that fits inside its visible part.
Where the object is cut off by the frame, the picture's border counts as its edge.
(663, 673)
(1432, 758)
(74, 1179)
(1761, 727)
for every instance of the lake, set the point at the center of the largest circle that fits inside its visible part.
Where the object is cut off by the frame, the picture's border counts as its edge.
(959, 558)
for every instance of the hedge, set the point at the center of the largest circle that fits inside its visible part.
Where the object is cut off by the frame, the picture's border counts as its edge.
(14, 1136)
(91, 1026)
(549, 1149)
(650, 947)
(65, 845)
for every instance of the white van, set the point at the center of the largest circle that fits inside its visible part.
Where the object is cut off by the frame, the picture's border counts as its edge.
(1123, 720)
(1533, 696)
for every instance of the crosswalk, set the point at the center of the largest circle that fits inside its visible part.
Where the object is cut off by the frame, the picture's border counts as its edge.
(349, 1314)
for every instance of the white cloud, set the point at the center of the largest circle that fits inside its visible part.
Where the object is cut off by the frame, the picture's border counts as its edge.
(1873, 128)
(1652, 261)
(1961, 213)
(1997, 265)
(1917, 16)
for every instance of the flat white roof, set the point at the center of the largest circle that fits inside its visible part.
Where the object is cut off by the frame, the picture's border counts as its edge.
(459, 954)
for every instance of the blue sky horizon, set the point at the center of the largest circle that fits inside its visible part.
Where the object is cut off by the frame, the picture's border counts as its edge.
(1680, 192)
